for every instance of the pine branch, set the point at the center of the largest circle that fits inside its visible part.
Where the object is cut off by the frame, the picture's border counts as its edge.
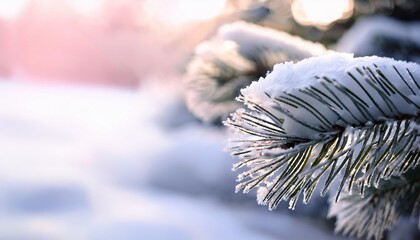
(380, 208)
(239, 54)
(334, 117)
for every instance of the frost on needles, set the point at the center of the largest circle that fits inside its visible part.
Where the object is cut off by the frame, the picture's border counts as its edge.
(333, 119)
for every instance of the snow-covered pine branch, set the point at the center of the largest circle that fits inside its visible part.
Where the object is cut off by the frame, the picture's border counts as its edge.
(327, 116)
(239, 54)
(380, 208)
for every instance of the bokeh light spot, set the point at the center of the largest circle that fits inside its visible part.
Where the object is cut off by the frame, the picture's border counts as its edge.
(321, 13)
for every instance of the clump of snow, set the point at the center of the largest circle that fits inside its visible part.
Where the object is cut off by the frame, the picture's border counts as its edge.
(289, 76)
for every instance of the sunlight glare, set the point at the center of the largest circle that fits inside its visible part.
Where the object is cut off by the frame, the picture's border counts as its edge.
(321, 13)
(179, 12)
(10, 9)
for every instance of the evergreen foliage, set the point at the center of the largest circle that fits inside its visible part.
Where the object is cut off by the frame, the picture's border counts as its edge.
(354, 125)
(380, 208)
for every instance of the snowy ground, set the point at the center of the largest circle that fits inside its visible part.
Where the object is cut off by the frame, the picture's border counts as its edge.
(97, 163)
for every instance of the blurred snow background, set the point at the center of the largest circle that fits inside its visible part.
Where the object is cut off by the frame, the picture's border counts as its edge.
(101, 163)
(95, 138)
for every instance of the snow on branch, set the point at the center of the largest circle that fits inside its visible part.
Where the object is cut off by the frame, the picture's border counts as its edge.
(332, 117)
(239, 54)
